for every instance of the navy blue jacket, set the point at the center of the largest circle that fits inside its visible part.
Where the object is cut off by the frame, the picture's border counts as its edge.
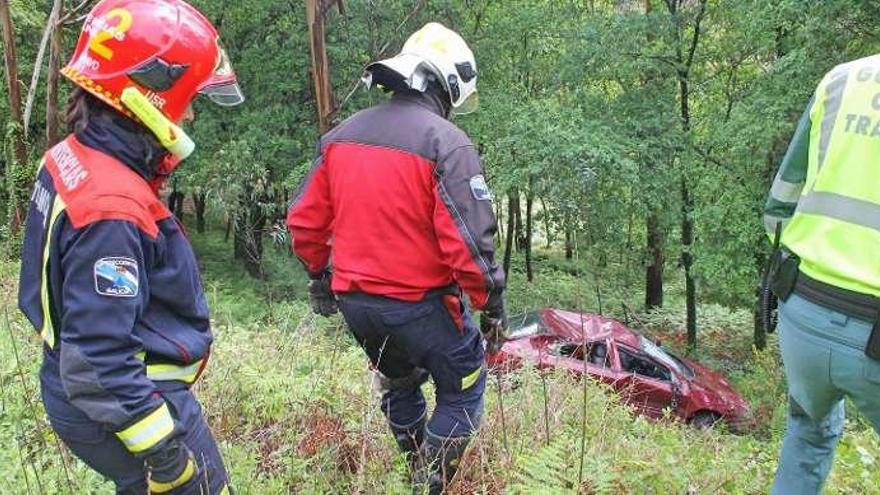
(111, 282)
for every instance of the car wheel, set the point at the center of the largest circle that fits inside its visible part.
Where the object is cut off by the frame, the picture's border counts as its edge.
(704, 420)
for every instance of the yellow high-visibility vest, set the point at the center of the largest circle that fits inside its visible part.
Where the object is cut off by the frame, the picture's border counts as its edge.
(835, 229)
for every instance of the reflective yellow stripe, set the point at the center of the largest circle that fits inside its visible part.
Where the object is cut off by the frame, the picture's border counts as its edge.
(148, 431)
(185, 476)
(471, 379)
(225, 490)
(171, 372)
(48, 330)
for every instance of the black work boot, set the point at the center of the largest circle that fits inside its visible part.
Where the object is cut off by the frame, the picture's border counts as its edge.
(408, 439)
(438, 461)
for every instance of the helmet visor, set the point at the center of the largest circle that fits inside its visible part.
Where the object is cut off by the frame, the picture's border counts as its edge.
(469, 105)
(225, 91)
(225, 94)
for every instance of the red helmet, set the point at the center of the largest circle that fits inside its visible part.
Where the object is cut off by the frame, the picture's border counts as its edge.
(165, 48)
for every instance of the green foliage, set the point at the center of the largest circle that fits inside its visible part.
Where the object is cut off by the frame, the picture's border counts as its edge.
(287, 395)
(581, 107)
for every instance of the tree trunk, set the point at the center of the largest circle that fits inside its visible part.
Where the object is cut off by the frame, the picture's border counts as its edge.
(547, 229)
(53, 117)
(519, 230)
(654, 272)
(499, 217)
(569, 235)
(654, 238)
(320, 65)
(569, 244)
(248, 234)
(687, 260)
(685, 62)
(530, 200)
(13, 206)
(175, 202)
(199, 203)
(629, 234)
(511, 232)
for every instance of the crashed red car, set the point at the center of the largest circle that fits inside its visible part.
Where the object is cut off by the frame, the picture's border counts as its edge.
(646, 376)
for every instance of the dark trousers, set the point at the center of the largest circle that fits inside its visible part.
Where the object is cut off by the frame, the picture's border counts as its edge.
(436, 334)
(103, 452)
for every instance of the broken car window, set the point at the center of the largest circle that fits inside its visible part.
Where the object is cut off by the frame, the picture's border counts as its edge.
(597, 352)
(643, 366)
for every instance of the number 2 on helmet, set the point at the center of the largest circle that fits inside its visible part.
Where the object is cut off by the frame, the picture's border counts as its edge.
(97, 43)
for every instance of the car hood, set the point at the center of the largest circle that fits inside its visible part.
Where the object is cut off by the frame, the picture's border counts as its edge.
(712, 388)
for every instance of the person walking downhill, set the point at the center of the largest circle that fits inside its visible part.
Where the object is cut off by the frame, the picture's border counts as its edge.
(825, 206)
(108, 277)
(398, 200)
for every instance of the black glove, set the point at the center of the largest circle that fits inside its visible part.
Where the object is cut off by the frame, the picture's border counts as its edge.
(493, 326)
(320, 296)
(171, 466)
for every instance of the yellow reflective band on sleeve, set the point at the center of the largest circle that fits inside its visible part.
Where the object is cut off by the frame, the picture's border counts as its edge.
(148, 431)
(468, 381)
(185, 476)
(225, 490)
(173, 372)
(48, 330)
(163, 372)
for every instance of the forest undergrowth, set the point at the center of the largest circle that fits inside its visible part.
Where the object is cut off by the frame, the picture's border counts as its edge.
(288, 397)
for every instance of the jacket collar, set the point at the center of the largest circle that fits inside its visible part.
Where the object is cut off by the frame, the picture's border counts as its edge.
(132, 148)
(429, 100)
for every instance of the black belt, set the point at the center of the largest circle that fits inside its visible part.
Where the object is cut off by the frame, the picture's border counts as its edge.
(449, 290)
(855, 304)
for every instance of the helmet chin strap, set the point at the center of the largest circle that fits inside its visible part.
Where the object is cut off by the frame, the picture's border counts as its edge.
(171, 136)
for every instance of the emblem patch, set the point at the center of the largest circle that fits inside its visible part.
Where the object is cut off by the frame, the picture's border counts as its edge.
(116, 277)
(480, 189)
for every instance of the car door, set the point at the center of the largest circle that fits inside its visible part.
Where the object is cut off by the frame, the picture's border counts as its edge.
(644, 383)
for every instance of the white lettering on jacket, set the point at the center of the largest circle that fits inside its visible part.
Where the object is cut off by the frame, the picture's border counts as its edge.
(69, 167)
(41, 198)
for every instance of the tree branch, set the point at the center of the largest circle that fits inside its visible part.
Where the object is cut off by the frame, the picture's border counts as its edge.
(72, 14)
(38, 64)
(696, 39)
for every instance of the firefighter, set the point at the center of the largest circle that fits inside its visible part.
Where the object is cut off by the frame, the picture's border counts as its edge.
(398, 199)
(826, 203)
(108, 278)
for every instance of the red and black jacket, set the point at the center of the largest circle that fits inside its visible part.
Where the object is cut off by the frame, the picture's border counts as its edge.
(397, 197)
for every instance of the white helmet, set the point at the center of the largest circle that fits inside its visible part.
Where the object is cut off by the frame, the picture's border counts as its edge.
(434, 51)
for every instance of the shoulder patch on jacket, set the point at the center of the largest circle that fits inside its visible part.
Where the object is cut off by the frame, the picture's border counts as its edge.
(480, 189)
(116, 277)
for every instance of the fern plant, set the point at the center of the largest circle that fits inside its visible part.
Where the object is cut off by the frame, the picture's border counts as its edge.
(554, 468)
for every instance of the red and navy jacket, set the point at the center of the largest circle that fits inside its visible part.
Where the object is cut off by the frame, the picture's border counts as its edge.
(397, 197)
(110, 281)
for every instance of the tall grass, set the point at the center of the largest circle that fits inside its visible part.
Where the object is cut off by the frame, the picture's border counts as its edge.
(288, 398)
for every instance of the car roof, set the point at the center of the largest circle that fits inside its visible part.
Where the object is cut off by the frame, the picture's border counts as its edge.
(575, 326)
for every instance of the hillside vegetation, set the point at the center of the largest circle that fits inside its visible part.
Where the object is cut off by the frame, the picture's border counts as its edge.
(288, 397)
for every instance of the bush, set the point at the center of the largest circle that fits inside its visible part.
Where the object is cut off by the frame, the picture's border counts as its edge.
(287, 396)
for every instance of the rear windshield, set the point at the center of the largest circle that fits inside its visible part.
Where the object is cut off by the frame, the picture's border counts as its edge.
(526, 325)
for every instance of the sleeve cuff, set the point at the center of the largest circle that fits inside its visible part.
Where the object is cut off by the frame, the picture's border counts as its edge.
(149, 431)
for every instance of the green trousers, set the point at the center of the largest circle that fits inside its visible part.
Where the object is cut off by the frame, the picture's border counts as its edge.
(824, 358)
